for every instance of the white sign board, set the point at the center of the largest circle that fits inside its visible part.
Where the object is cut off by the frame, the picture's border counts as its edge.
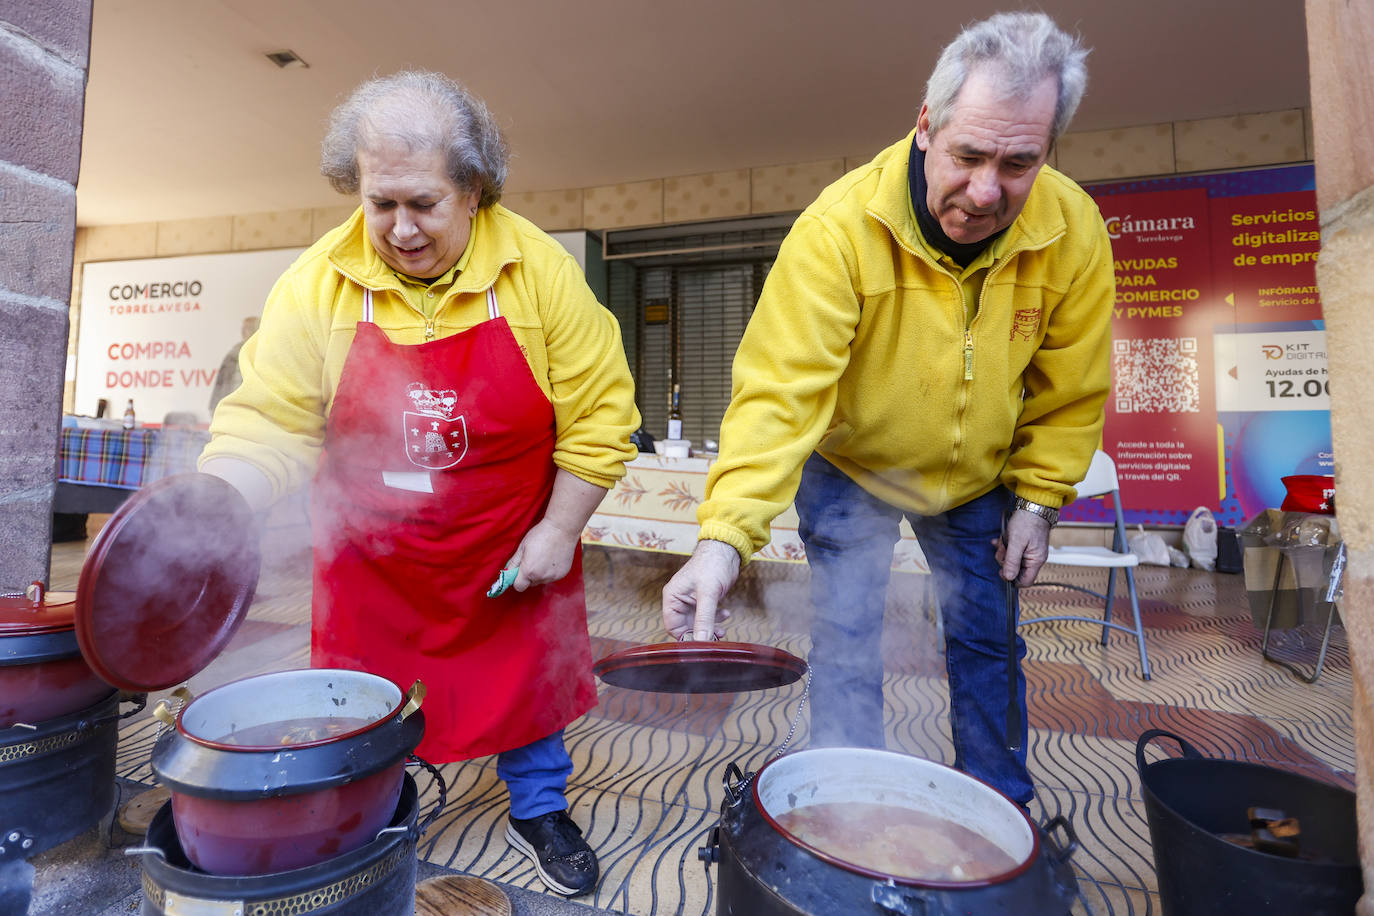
(1273, 370)
(156, 330)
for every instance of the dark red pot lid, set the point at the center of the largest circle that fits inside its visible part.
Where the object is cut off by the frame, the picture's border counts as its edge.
(167, 582)
(45, 612)
(700, 667)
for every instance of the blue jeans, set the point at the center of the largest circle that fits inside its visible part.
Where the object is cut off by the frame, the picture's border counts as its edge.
(849, 535)
(536, 776)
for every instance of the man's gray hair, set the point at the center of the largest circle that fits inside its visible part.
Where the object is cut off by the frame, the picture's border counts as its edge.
(423, 111)
(1023, 49)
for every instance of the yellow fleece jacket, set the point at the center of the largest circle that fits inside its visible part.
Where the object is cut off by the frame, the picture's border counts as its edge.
(859, 349)
(276, 419)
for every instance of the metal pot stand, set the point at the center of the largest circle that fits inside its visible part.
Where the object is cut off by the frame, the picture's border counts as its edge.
(377, 879)
(56, 781)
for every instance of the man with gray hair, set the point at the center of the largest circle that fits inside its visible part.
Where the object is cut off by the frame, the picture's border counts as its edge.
(932, 343)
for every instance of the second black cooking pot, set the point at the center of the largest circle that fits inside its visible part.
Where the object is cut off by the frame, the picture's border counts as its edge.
(767, 871)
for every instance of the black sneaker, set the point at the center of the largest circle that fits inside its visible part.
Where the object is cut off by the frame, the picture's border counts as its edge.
(554, 844)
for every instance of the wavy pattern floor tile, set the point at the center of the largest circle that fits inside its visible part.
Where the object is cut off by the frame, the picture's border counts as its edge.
(649, 775)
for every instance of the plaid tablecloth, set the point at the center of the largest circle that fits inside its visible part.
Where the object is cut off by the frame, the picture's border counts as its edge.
(128, 458)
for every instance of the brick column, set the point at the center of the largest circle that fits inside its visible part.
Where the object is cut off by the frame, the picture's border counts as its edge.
(1340, 48)
(44, 54)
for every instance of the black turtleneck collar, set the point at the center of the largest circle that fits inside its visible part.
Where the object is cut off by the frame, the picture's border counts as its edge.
(963, 254)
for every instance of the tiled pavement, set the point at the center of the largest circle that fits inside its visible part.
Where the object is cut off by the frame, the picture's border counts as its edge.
(647, 784)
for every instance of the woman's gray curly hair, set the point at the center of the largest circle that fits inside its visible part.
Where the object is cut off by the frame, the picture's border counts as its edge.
(424, 111)
(1023, 49)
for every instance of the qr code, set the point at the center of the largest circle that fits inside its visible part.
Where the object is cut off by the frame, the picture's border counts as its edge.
(1156, 375)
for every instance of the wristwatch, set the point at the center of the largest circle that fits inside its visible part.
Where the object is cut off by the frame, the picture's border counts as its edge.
(1048, 514)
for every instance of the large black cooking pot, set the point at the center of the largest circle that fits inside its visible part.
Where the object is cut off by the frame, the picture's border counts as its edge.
(764, 870)
(1192, 801)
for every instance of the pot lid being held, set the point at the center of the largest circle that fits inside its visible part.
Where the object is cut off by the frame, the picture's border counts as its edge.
(700, 667)
(167, 582)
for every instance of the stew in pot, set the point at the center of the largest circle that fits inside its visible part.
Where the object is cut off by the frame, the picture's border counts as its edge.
(293, 731)
(901, 842)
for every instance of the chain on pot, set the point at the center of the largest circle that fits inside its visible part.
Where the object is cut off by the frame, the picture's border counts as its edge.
(796, 720)
(736, 791)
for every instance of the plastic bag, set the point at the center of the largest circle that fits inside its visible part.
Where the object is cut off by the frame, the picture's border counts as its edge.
(1177, 557)
(1200, 538)
(1150, 547)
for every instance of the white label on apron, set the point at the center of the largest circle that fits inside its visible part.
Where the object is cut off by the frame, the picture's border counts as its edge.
(416, 481)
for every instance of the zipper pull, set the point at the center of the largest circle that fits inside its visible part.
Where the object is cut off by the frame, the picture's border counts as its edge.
(968, 355)
(429, 329)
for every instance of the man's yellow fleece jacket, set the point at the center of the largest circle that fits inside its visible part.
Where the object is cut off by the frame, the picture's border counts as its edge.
(276, 420)
(861, 348)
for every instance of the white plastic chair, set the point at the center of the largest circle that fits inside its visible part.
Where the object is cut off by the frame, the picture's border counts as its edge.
(1101, 481)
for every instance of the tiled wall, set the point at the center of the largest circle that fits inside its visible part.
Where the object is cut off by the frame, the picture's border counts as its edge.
(1242, 141)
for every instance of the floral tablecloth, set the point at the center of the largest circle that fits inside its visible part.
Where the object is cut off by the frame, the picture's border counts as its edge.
(654, 508)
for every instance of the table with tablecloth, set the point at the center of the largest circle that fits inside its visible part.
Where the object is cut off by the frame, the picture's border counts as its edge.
(99, 467)
(654, 508)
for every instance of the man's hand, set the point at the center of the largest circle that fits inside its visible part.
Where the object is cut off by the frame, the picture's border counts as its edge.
(691, 598)
(1025, 548)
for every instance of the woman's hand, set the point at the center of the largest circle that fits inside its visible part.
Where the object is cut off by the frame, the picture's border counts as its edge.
(546, 551)
(545, 555)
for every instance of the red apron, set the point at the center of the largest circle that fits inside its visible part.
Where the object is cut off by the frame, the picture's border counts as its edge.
(437, 461)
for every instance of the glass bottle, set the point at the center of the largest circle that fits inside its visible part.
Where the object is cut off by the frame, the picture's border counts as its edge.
(130, 421)
(675, 414)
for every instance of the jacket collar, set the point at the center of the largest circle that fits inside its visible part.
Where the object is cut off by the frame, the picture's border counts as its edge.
(1041, 220)
(353, 255)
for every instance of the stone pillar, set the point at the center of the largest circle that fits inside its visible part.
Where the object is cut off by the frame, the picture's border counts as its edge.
(44, 54)
(1340, 51)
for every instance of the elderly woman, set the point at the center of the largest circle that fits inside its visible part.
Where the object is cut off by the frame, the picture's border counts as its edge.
(464, 404)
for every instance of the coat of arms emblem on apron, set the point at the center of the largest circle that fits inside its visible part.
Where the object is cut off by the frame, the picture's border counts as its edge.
(435, 439)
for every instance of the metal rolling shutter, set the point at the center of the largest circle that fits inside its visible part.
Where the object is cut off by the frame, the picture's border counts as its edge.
(684, 296)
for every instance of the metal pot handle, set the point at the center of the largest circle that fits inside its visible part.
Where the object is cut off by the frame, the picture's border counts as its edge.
(162, 710)
(139, 699)
(443, 793)
(735, 782)
(414, 697)
(1060, 854)
(1189, 751)
(85, 725)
